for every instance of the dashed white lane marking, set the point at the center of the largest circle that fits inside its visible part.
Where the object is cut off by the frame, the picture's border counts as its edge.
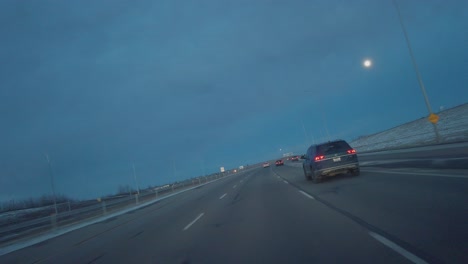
(193, 222)
(418, 173)
(307, 195)
(234, 186)
(286, 182)
(222, 196)
(410, 256)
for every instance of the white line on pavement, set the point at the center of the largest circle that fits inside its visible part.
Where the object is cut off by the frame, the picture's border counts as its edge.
(222, 196)
(307, 195)
(286, 182)
(410, 256)
(417, 173)
(193, 222)
(234, 186)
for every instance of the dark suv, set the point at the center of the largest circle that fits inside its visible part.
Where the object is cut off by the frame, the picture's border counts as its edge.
(329, 159)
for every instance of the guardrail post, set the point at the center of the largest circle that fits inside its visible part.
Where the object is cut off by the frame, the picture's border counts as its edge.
(53, 221)
(104, 208)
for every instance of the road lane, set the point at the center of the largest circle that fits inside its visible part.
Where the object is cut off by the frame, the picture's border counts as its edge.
(428, 213)
(267, 221)
(378, 217)
(262, 220)
(167, 216)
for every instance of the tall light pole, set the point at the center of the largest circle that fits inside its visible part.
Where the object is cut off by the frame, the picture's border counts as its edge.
(135, 178)
(174, 169)
(433, 118)
(305, 133)
(51, 173)
(324, 117)
(203, 166)
(326, 126)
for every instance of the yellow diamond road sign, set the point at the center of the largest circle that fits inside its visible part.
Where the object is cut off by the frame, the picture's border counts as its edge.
(433, 118)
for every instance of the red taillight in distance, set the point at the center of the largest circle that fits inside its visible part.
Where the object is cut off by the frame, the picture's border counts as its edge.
(319, 158)
(351, 151)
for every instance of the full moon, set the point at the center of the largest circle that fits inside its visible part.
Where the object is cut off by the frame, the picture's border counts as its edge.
(367, 63)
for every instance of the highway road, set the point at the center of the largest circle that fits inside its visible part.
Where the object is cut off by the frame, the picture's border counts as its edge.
(273, 215)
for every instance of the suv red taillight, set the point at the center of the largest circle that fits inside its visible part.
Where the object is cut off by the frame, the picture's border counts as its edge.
(351, 151)
(318, 158)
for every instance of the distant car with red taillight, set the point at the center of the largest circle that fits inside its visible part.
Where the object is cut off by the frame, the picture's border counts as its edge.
(279, 163)
(266, 164)
(329, 159)
(295, 158)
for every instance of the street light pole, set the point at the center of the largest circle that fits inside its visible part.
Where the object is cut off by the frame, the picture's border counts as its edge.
(52, 183)
(134, 176)
(305, 133)
(416, 69)
(174, 170)
(324, 117)
(203, 166)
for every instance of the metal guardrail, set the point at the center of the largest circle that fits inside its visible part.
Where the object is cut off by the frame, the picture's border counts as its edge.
(413, 140)
(90, 209)
(452, 128)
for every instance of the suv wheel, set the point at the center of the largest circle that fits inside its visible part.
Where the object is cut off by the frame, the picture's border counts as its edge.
(317, 178)
(308, 177)
(355, 172)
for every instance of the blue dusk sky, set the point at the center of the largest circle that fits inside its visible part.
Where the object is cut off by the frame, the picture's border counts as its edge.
(198, 84)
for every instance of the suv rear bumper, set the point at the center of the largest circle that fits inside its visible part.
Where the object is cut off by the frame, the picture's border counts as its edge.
(332, 171)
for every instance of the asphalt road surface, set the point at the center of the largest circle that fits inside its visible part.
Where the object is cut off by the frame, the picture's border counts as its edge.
(274, 215)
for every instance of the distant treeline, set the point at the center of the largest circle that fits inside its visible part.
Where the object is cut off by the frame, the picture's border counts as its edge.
(125, 189)
(48, 200)
(44, 200)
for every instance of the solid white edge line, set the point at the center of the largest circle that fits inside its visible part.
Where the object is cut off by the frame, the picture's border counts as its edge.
(410, 256)
(285, 182)
(307, 195)
(193, 222)
(416, 173)
(222, 196)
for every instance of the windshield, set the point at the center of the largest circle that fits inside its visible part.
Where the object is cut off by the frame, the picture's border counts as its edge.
(233, 131)
(333, 148)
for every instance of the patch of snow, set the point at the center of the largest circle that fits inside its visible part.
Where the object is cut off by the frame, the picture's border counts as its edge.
(452, 126)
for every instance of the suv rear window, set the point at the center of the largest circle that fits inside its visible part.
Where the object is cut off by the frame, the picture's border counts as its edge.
(332, 148)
